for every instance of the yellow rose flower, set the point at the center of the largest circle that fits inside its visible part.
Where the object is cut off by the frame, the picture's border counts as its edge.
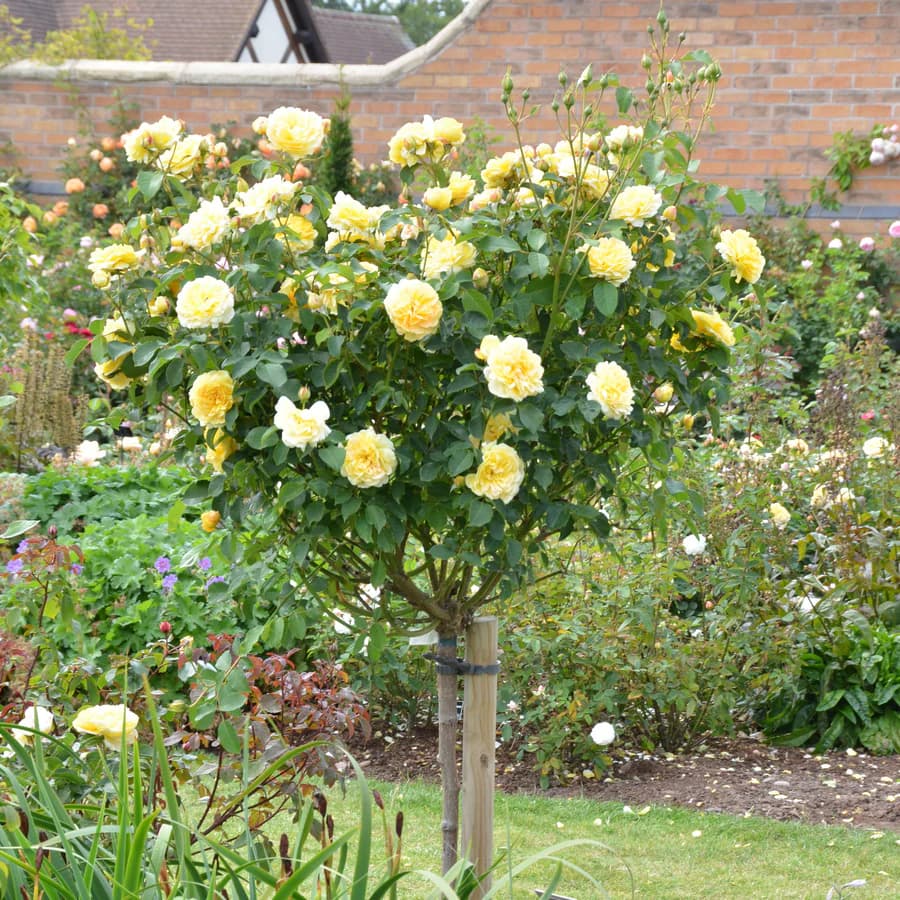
(348, 214)
(594, 182)
(114, 259)
(209, 520)
(145, 142)
(740, 250)
(110, 372)
(297, 132)
(369, 459)
(500, 474)
(302, 427)
(513, 371)
(462, 187)
(502, 171)
(664, 393)
(182, 157)
(37, 717)
(497, 426)
(611, 388)
(448, 130)
(445, 257)
(485, 198)
(875, 447)
(409, 145)
(414, 309)
(211, 396)
(610, 260)
(158, 306)
(636, 204)
(206, 225)
(819, 496)
(264, 200)
(299, 233)
(111, 722)
(438, 198)
(220, 449)
(780, 515)
(205, 302)
(712, 325)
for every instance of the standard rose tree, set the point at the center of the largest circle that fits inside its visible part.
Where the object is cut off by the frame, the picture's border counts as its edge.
(427, 395)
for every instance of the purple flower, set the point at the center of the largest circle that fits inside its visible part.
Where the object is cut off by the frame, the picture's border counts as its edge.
(14, 566)
(23, 546)
(77, 568)
(169, 582)
(214, 580)
(205, 564)
(162, 565)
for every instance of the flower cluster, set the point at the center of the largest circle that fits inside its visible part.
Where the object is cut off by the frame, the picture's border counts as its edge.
(886, 147)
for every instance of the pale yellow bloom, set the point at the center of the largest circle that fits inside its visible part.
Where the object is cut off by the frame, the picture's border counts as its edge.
(594, 182)
(206, 225)
(610, 260)
(183, 157)
(211, 396)
(712, 325)
(302, 427)
(158, 306)
(298, 232)
(414, 309)
(369, 459)
(114, 259)
(610, 386)
(297, 132)
(145, 142)
(636, 204)
(819, 496)
(220, 449)
(264, 200)
(797, 445)
(500, 474)
(462, 187)
(110, 372)
(111, 722)
(205, 302)
(353, 221)
(503, 171)
(497, 426)
(428, 140)
(780, 515)
(624, 135)
(37, 717)
(740, 250)
(448, 130)
(485, 198)
(438, 198)
(209, 520)
(445, 257)
(513, 371)
(875, 447)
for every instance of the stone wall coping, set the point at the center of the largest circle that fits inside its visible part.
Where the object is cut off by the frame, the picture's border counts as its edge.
(234, 73)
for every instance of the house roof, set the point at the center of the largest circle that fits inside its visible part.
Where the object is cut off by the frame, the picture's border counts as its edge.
(360, 38)
(189, 32)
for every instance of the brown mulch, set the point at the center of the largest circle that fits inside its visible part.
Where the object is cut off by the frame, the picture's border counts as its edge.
(740, 776)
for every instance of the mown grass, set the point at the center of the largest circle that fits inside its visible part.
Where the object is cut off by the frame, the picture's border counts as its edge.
(731, 857)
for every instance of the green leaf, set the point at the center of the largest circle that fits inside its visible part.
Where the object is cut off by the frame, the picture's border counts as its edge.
(262, 436)
(474, 302)
(271, 373)
(499, 243)
(539, 263)
(536, 239)
(149, 183)
(480, 514)
(18, 528)
(441, 551)
(228, 737)
(75, 351)
(624, 99)
(332, 456)
(606, 298)
(530, 416)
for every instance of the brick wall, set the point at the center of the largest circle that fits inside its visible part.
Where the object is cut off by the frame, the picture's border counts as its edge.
(794, 74)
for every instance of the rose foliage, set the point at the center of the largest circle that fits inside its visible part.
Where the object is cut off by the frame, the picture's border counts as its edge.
(428, 394)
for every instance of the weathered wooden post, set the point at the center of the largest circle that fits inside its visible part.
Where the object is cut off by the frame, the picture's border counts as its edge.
(479, 736)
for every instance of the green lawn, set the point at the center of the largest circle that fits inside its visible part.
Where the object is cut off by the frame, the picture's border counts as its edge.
(730, 857)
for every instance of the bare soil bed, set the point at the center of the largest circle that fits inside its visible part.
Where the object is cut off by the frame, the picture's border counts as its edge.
(740, 776)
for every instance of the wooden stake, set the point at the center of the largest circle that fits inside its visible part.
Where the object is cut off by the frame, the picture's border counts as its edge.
(448, 728)
(479, 736)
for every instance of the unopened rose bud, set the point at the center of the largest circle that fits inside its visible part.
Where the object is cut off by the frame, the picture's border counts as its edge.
(209, 520)
(480, 278)
(165, 627)
(670, 213)
(177, 707)
(663, 394)
(29, 223)
(52, 532)
(687, 421)
(303, 394)
(158, 306)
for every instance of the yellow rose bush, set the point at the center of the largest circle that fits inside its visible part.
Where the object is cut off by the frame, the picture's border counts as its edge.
(425, 394)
